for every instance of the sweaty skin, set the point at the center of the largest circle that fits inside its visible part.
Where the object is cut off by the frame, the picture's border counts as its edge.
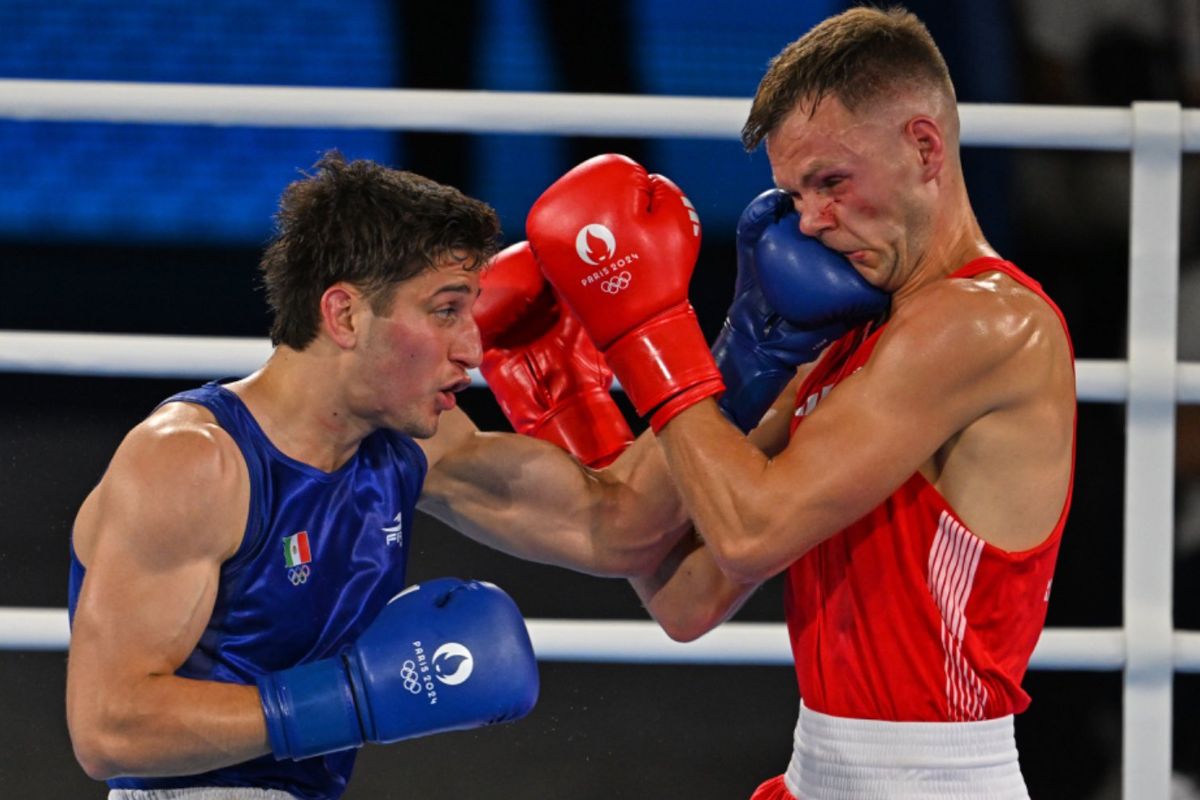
(971, 383)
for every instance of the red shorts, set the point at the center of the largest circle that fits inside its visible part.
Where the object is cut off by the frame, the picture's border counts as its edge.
(774, 789)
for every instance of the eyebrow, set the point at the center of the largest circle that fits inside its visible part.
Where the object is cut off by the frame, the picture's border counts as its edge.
(808, 178)
(455, 288)
(810, 174)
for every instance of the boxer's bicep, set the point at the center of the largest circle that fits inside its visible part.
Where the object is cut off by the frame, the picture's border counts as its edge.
(169, 511)
(771, 435)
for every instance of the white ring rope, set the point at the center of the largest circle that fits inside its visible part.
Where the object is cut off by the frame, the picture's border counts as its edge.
(985, 125)
(208, 357)
(504, 112)
(616, 641)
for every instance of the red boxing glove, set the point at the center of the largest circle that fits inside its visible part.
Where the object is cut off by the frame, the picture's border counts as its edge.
(620, 246)
(550, 380)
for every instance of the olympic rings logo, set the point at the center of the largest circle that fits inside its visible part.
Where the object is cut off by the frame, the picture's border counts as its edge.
(298, 575)
(617, 284)
(408, 674)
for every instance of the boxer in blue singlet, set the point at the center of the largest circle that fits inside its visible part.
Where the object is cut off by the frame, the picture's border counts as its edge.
(240, 618)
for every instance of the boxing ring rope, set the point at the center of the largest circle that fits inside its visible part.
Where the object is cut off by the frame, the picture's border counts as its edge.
(201, 357)
(1150, 382)
(507, 112)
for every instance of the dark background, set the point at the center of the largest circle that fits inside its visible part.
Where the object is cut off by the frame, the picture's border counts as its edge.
(157, 229)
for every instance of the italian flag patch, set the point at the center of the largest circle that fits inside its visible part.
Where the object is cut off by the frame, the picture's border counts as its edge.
(295, 549)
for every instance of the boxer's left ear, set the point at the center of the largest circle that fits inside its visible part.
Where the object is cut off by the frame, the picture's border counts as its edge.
(339, 306)
(926, 137)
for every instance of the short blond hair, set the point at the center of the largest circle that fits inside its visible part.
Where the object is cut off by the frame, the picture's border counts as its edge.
(858, 56)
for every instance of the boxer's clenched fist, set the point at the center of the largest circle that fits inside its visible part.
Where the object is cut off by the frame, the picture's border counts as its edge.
(619, 246)
(443, 655)
(547, 376)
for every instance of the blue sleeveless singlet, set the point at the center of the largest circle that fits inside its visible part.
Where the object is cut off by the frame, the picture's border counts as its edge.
(322, 553)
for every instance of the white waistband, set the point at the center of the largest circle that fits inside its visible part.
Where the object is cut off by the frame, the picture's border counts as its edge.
(835, 758)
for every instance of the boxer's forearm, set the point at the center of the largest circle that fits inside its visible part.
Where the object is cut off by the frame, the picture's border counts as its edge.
(651, 507)
(532, 500)
(722, 479)
(688, 595)
(165, 725)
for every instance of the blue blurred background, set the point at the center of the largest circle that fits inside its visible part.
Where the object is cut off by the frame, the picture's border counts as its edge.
(156, 184)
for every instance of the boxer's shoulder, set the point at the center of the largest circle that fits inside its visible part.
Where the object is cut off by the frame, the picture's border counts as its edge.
(181, 437)
(976, 344)
(965, 312)
(175, 471)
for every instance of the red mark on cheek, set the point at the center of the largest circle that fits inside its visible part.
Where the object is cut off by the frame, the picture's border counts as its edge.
(868, 210)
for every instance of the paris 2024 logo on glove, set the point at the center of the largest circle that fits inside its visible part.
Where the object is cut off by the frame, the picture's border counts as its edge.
(595, 246)
(595, 234)
(452, 663)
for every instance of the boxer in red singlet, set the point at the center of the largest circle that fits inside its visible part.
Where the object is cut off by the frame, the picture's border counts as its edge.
(914, 482)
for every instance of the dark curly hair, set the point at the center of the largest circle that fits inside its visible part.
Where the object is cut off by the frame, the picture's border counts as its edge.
(368, 225)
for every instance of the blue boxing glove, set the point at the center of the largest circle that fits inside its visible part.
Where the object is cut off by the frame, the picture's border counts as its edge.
(792, 298)
(442, 655)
